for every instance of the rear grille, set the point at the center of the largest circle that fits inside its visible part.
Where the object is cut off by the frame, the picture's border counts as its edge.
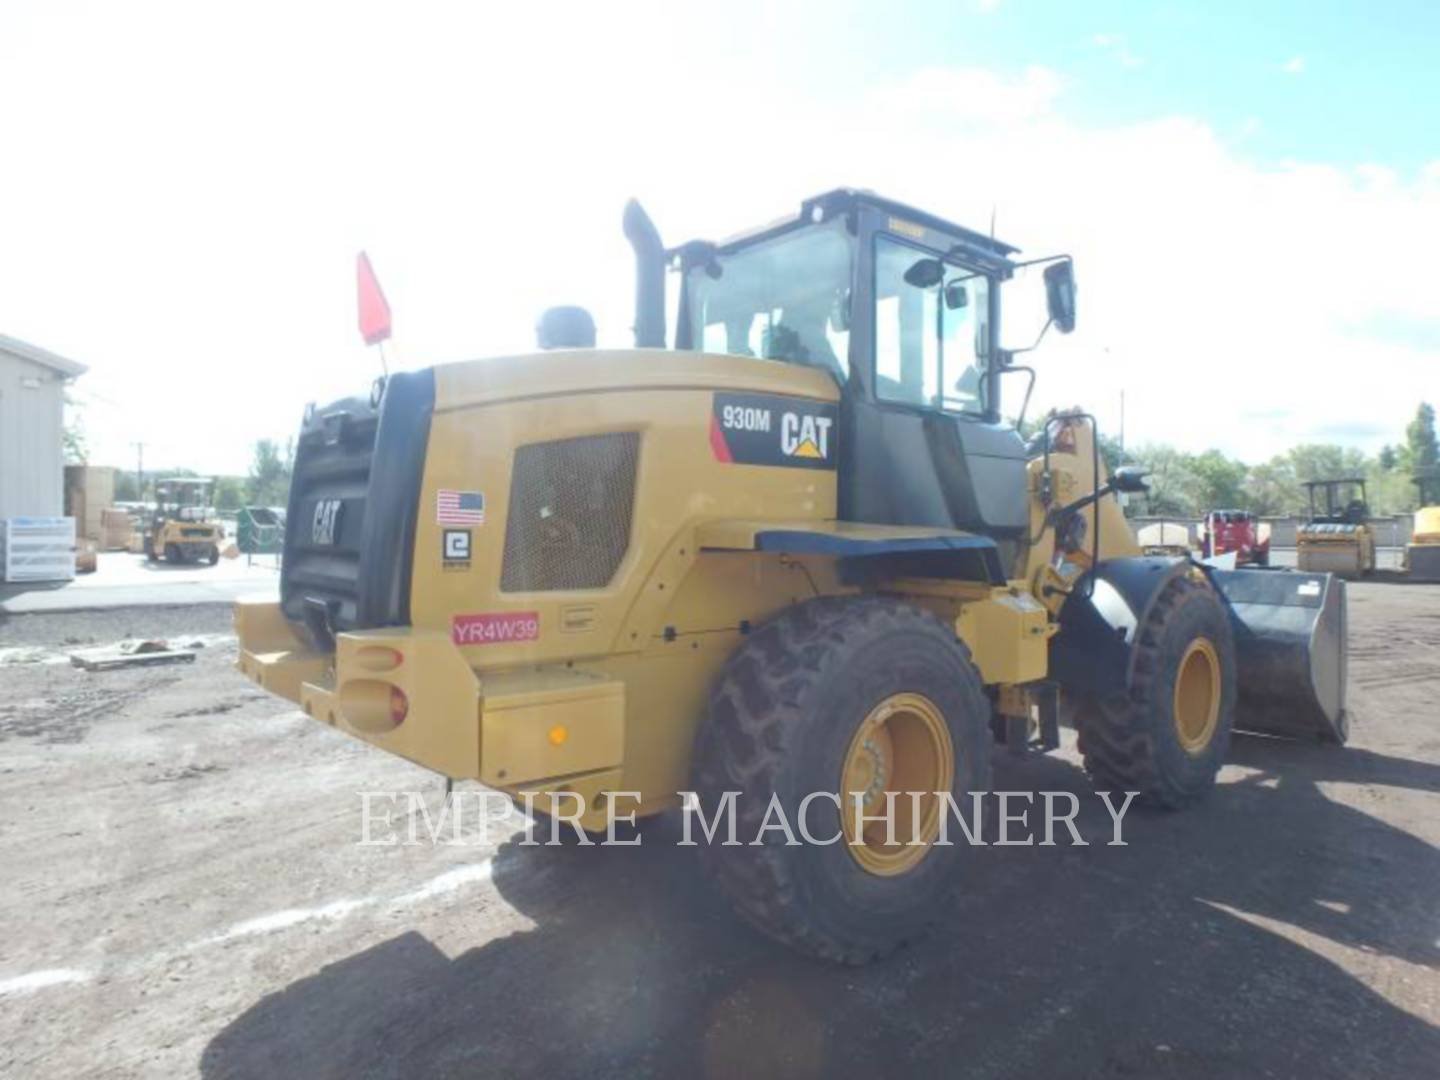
(194, 532)
(568, 522)
(352, 509)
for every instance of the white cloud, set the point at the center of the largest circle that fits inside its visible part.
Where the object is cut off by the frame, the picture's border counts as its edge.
(194, 193)
(1115, 45)
(1294, 66)
(974, 95)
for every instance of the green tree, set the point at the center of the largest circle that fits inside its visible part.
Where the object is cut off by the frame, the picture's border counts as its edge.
(127, 487)
(1170, 480)
(1326, 461)
(269, 480)
(229, 492)
(1217, 482)
(72, 436)
(1420, 442)
(1113, 454)
(1388, 458)
(1271, 488)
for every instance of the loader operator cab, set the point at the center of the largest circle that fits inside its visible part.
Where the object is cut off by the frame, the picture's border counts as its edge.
(902, 309)
(1337, 502)
(183, 498)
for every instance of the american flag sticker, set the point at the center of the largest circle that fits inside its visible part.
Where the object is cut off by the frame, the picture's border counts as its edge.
(459, 507)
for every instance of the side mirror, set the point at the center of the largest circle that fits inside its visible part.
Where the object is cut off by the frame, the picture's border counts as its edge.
(1129, 478)
(956, 295)
(1060, 294)
(925, 273)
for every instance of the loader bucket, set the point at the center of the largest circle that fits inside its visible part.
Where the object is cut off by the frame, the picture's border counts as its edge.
(1291, 651)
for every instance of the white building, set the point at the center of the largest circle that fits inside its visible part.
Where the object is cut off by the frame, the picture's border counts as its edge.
(32, 453)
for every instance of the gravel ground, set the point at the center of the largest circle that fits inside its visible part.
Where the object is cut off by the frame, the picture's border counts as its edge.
(183, 892)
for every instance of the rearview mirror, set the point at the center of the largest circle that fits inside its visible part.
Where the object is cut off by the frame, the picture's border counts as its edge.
(956, 295)
(1128, 478)
(1060, 294)
(925, 273)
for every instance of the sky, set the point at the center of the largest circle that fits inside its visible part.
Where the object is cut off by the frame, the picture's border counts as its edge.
(1251, 192)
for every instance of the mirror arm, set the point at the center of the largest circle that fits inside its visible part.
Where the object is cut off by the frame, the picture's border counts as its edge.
(1006, 366)
(1036, 345)
(1039, 262)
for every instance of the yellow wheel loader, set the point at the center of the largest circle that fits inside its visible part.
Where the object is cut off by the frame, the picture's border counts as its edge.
(790, 554)
(181, 529)
(1422, 554)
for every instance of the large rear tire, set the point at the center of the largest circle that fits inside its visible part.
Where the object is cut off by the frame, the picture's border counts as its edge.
(1167, 737)
(836, 695)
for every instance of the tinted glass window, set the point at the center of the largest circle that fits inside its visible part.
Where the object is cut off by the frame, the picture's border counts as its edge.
(931, 342)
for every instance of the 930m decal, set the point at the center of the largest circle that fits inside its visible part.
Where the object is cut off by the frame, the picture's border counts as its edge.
(769, 429)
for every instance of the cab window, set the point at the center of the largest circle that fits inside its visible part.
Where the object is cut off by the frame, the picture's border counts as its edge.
(931, 339)
(786, 298)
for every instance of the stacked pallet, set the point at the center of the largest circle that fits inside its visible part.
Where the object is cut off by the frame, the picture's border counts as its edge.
(116, 530)
(38, 548)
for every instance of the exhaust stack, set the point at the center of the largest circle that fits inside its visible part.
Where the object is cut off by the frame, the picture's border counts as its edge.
(649, 277)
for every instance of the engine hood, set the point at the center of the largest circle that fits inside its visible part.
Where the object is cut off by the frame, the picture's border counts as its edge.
(565, 372)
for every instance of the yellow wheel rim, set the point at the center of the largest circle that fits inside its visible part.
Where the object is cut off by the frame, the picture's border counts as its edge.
(903, 745)
(1197, 696)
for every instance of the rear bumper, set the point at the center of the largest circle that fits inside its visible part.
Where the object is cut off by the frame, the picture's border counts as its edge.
(541, 730)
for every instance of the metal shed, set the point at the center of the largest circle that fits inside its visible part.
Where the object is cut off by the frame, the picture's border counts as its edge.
(32, 456)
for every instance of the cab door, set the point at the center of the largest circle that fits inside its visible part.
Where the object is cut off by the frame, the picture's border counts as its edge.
(923, 444)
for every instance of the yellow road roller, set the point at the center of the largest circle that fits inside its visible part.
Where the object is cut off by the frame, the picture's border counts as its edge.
(1336, 537)
(1422, 553)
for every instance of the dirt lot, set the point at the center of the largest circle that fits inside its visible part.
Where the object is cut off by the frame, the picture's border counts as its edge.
(182, 892)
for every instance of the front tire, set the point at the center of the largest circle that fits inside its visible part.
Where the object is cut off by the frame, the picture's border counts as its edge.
(172, 553)
(1167, 737)
(840, 694)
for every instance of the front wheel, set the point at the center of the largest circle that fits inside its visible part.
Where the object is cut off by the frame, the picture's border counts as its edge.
(1167, 735)
(836, 699)
(214, 555)
(172, 553)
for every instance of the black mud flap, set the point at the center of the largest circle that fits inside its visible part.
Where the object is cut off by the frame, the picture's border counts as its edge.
(1291, 649)
(1093, 652)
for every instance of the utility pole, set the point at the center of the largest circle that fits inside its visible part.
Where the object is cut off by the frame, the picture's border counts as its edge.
(1122, 423)
(139, 470)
